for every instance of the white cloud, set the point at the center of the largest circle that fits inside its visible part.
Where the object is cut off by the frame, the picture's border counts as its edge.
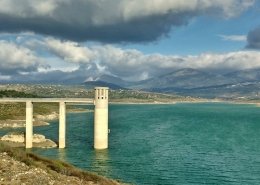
(70, 51)
(28, 8)
(134, 65)
(5, 77)
(228, 61)
(95, 60)
(57, 64)
(110, 20)
(238, 38)
(141, 8)
(16, 58)
(103, 12)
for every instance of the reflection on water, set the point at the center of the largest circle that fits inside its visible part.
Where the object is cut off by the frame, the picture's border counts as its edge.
(167, 144)
(62, 154)
(101, 161)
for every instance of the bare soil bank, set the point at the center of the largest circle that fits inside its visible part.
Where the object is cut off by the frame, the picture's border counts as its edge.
(18, 167)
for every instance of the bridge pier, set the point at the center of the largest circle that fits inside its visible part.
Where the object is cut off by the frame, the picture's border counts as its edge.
(100, 116)
(29, 124)
(62, 124)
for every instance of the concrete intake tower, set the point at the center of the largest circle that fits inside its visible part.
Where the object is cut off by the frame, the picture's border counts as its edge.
(101, 118)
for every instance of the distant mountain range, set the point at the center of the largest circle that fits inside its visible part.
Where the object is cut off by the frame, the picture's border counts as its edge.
(188, 82)
(193, 82)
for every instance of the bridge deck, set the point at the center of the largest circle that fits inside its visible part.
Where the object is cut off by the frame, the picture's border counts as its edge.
(49, 100)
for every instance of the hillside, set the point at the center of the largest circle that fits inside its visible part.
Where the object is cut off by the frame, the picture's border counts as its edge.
(243, 84)
(240, 84)
(182, 79)
(20, 167)
(81, 91)
(17, 94)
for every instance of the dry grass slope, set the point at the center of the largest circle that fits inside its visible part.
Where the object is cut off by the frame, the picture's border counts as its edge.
(55, 167)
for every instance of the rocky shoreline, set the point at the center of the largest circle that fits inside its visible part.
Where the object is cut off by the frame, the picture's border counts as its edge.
(17, 139)
(13, 171)
(20, 167)
(39, 120)
(20, 123)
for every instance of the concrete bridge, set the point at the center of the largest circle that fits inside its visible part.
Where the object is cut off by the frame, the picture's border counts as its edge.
(100, 116)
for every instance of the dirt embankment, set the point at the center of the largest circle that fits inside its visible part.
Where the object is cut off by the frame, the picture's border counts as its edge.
(18, 167)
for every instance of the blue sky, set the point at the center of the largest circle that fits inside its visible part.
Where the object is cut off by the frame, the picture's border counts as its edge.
(133, 40)
(202, 34)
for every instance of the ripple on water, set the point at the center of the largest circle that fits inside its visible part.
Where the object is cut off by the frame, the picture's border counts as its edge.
(169, 144)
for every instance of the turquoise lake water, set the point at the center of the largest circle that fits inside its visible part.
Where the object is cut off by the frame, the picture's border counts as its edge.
(202, 143)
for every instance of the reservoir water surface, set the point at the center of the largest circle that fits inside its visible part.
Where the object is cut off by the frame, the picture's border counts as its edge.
(201, 143)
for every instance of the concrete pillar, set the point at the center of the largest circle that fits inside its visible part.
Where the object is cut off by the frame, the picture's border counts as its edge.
(101, 118)
(29, 124)
(62, 125)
